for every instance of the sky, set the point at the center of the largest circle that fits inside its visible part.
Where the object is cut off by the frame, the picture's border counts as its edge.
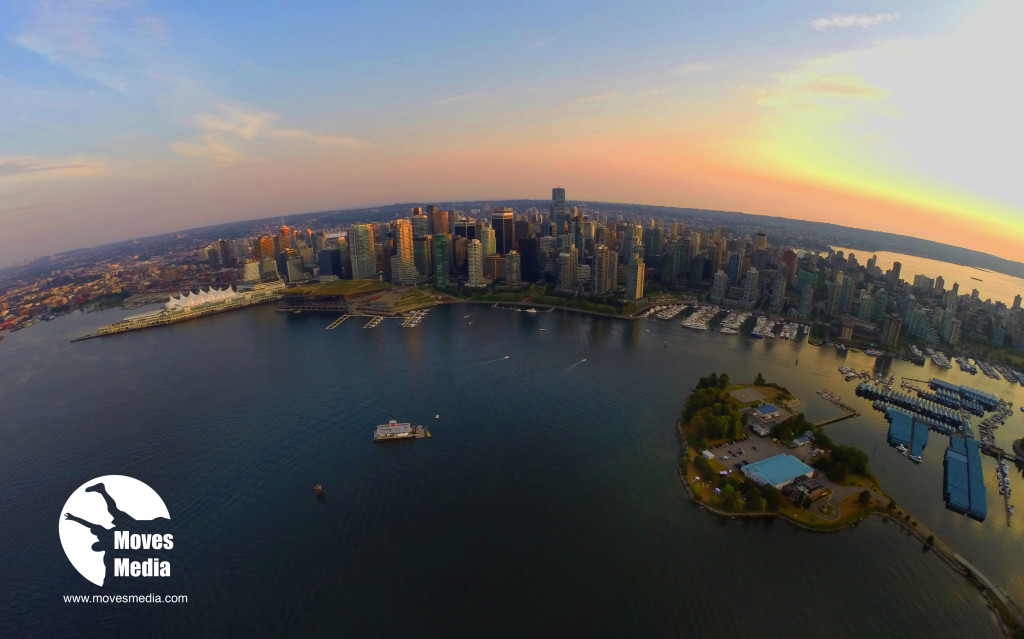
(123, 118)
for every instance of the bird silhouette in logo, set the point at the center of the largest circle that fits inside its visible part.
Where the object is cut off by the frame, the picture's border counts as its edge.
(122, 521)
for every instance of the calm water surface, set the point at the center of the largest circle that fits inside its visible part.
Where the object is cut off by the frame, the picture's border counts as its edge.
(545, 504)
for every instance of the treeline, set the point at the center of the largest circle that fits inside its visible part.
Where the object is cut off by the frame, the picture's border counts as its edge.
(841, 460)
(711, 413)
(736, 495)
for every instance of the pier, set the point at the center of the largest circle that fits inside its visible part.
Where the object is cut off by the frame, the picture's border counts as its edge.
(336, 323)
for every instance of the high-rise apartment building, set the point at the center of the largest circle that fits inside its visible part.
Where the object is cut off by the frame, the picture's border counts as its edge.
(475, 258)
(441, 244)
(635, 278)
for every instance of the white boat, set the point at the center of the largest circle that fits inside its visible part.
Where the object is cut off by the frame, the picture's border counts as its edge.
(531, 310)
(916, 459)
(901, 448)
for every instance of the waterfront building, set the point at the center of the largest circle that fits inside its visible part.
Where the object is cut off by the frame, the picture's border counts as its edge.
(891, 328)
(605, 270)
(441, 244)
(494, 266)
(513, 269)
(296, 269)
(568, 261)
(475, 259)
(719, 286)
(697, 271)
(268, 268)
(460, 253)
(361, 251)
(635, 278)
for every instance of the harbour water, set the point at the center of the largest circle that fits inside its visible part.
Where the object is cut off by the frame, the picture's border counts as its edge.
(546, 503)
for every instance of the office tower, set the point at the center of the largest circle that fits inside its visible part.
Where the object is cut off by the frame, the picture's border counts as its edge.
(268, 268)
(439, 221)
(940, 285)
(329, 261)
(635, 278)
(460, 254)
(846, 296)
(864, 305)
(558, 212)
(806, 300)
(250, 271)
(836, 297)
(422, 255)
(420, 223)
(761, 242)
(442, 262)
(475, 258)
(296, 272)
(494, 266)
(263, 248)
(523, 229)
(1016, 302)
(891, 331)
(632, 241)
(504, 229)
(284, 238)
(513, 269)
(361, 251)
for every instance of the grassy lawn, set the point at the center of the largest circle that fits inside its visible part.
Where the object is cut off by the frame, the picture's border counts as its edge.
(340, 287)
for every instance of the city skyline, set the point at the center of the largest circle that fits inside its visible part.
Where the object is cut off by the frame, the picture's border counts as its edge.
(131, 119)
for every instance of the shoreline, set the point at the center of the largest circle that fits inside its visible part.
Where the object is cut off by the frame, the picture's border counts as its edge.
(998, 602)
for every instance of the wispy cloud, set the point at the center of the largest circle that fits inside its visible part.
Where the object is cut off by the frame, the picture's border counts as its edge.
(809, 87)
(78, 35)
(233, 127)
(654, 91)
(462, 97)
(19, 168)
(596, 97)
(691, 68)
(845, 21)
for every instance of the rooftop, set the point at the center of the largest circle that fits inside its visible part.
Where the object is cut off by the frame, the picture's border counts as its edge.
(777, 470)
(767, 409)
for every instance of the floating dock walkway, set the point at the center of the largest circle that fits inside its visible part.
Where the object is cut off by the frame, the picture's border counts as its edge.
(336, 323)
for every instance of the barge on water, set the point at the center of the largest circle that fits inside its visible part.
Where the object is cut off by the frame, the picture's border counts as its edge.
(394, 430)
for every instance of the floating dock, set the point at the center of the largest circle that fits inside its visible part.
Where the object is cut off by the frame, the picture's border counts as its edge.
(964, 489)
(905, 429)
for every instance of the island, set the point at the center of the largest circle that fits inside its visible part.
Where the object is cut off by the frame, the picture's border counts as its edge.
(747, 453)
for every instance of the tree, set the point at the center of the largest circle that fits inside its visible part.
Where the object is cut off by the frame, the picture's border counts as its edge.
(930, 541)
(865, 498)
(723, 381)
(892, 504)
(759, 380)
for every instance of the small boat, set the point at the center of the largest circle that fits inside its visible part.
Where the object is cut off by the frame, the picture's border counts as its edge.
(584, 359)
(506, 357)
(531, 310)
(542, 329)
(318, 490)
(901, 448)
(437, 417)
(916, 459)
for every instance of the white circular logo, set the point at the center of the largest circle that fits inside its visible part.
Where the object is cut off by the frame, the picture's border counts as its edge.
(115, 526)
